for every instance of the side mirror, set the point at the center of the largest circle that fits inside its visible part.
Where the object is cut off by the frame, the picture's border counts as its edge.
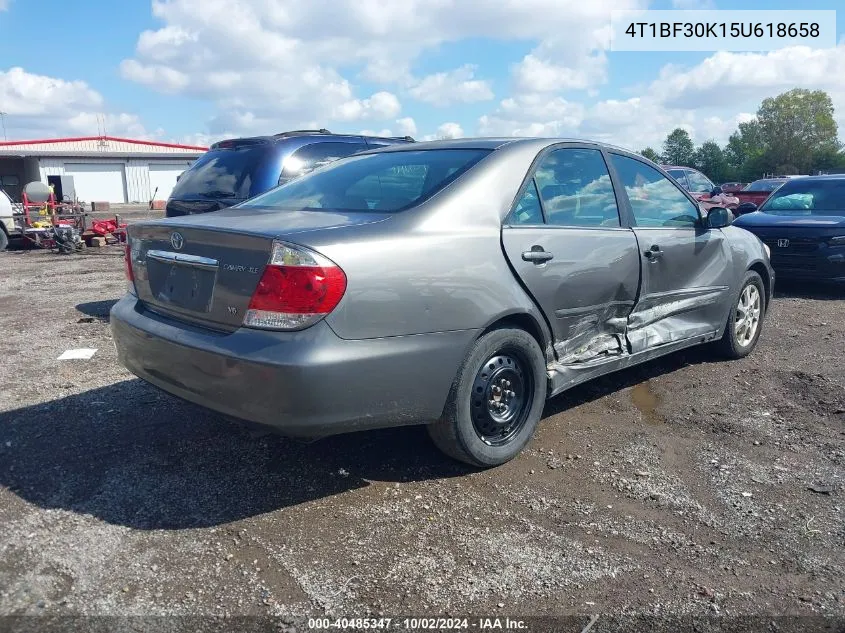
(179, 177)
(746, 207)
(719, 218)
(717, 191)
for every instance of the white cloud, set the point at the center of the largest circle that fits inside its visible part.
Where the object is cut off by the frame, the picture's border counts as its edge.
(382, 105)
(450, 130)
(407, 126)
(533, 74)
(709, 99)
(455, 86)
(39, 106)
(280, 62)
(445, 131)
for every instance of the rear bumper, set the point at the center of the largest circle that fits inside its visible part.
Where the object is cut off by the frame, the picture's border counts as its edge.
(306, 384)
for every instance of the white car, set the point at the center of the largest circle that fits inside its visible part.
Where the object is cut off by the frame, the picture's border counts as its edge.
(7, 220)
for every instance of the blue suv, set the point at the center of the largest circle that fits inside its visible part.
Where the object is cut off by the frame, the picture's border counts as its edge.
(236, 169)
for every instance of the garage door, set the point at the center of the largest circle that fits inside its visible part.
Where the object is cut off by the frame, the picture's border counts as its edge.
(164, 177)
(98, 182)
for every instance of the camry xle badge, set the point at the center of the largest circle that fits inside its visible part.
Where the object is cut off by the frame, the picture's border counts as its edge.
(783, 243)
(177, 241)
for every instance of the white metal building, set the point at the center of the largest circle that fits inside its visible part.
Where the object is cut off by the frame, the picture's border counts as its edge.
(104, 168)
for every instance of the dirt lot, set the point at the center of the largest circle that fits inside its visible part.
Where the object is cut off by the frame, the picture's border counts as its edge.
(687, 486)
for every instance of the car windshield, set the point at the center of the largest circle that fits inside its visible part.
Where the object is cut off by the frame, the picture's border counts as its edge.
(386, 182)
(764, 185)
(808, 197)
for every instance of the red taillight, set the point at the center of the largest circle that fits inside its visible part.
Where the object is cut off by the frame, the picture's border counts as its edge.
(127, 267)
(298, 288)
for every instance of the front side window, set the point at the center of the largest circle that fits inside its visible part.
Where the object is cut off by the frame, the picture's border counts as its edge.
(698, 182)
(310, 157)
(575, 188)
(387, 182)
(808, 197)
(655, 200)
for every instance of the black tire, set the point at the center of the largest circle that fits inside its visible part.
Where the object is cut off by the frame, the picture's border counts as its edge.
(730, 344)
(516, 356)
(4, 240)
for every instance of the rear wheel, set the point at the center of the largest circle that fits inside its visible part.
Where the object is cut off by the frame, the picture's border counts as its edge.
(746, 319)
(496, 400)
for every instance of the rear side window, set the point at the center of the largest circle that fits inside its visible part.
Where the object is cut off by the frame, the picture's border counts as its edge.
(386, 182)
(310, 157)
(575, 188)
(527, 210)
(655, 200)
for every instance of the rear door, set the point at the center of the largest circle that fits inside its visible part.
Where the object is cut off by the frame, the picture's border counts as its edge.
(685, 267)
(565, 241)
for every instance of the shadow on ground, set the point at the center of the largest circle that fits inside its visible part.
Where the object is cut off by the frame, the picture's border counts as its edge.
(809, 290)
(97, 309)
(133, 456)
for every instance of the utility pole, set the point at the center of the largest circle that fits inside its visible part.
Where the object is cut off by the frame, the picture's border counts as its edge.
(3, 120)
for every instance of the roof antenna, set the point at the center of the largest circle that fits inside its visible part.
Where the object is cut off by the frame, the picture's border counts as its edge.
(99, 133)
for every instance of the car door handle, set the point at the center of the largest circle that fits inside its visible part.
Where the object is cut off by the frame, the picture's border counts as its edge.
(654, 253)
(537, 256)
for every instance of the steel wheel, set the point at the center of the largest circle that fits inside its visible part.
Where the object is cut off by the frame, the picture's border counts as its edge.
(501, 398)
(747, 318)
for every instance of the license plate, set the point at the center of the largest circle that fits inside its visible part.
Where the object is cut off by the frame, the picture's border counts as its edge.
(183, 287)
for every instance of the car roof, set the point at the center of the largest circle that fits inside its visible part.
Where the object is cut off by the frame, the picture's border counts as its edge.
(495, 143)
(812, 178)
(299, 138)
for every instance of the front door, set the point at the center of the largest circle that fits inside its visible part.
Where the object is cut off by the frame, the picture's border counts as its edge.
(565, 241)
(685, 267)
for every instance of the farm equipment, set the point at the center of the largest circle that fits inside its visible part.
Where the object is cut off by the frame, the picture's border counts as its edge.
(44, 222)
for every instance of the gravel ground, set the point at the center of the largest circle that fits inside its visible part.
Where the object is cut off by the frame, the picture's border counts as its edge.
(686, 486)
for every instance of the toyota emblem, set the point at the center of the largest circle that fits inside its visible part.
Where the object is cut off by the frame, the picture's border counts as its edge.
(177, 241)
(783, 243)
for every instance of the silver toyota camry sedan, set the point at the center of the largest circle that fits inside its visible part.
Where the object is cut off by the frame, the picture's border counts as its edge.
(457, 284)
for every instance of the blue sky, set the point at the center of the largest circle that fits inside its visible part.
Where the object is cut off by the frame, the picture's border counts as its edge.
(196, 70)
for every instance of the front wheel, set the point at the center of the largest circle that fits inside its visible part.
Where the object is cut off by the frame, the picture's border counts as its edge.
(496, 401)
(746, 319)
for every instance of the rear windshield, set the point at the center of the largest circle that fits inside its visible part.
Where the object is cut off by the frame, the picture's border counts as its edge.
(807, 197)
(764, 185)
(229, 173)
(387, 181)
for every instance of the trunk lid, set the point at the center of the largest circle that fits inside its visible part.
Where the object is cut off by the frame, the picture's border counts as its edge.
(204, 269)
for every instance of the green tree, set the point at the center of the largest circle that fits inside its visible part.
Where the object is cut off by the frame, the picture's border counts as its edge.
(650, 154)
(678, 148)
(746, 152)
(798, 130)
(710, 159)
